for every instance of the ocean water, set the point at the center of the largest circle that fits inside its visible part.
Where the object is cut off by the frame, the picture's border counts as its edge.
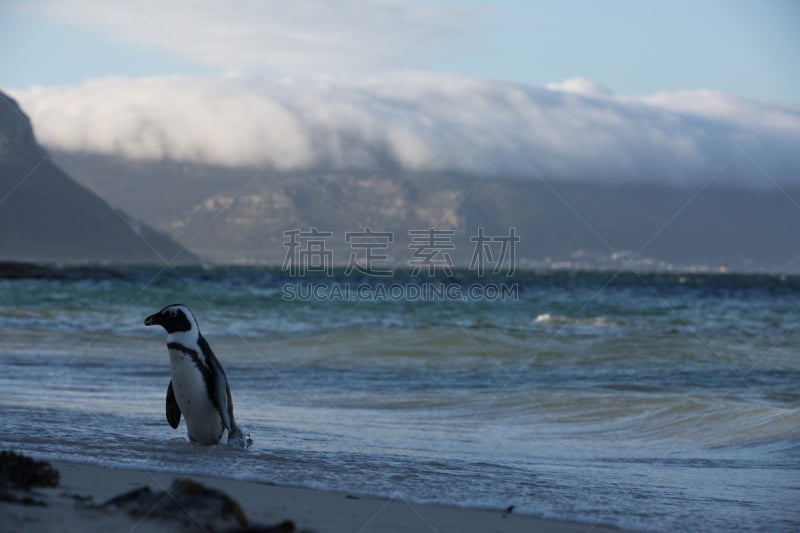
(664, 402)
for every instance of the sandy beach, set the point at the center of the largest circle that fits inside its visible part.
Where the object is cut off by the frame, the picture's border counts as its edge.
(74, 505)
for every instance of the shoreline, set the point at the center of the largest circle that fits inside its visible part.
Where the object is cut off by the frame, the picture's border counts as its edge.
(73, 506)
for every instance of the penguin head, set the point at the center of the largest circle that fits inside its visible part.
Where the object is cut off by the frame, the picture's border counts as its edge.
(175, 318)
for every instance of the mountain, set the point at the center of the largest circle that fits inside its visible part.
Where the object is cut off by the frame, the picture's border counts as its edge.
(46, 216)
(241, 214)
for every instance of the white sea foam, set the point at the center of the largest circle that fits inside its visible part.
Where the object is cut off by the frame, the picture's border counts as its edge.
(597, 321)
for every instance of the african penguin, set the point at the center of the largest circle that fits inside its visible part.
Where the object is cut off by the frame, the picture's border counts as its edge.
(199, 388)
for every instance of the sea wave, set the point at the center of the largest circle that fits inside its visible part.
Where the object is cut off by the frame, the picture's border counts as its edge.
(594, 321)
(640, 398)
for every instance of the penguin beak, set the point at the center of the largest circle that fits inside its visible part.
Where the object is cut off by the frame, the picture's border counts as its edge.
(153, 320)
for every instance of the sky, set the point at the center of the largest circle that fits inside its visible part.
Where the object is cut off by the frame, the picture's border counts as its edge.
(745, 48)
(624, 90)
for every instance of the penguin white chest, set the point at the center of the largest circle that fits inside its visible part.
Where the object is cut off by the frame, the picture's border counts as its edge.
(203, 421)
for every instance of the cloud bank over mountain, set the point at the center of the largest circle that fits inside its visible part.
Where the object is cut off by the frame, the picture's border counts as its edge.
(575, 130)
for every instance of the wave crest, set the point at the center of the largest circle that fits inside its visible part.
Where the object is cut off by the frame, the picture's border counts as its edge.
(596, 321)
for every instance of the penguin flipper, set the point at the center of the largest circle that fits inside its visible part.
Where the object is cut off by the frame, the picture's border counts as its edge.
(223, 396)
(173, 411)
(231, 421)
(218, 389)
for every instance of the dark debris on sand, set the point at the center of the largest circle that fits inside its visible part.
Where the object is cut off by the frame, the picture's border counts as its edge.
(194, 506)
(188, 504)
(21, 473)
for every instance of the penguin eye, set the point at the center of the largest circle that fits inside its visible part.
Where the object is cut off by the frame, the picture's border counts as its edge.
(173, 313)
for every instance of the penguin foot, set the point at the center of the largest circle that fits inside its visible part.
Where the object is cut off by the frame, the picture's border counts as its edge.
(237, 439)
